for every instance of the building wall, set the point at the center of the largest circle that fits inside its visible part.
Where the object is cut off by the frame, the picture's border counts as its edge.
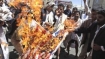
(97, 4)
(103, 4)
(90, 3)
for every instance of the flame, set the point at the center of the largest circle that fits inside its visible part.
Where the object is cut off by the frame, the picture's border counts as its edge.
(34, 39)
(70, 24)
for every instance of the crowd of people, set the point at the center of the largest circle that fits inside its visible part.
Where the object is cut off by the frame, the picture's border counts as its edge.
(88, 33)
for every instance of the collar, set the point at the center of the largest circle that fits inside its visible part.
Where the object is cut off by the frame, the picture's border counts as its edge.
(102, 26)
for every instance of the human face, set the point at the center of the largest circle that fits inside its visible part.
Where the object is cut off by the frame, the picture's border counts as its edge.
(49, 8)
(61, 9)
(77, 15)
(93, 15)
(57, 12)
(74, 10)
(68, 7)
(100, 19)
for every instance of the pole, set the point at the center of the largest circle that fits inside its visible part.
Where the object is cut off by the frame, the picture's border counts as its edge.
(81, 3)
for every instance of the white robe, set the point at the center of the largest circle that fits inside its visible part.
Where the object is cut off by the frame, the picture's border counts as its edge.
(59, 25)
(3, 39)
(49, 18)
(6, 16)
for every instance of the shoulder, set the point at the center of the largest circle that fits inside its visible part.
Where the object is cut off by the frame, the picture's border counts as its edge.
(64, 15)
(65, 11)
(51, 12)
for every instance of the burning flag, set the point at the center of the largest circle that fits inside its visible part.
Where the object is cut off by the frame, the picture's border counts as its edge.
(36, 41)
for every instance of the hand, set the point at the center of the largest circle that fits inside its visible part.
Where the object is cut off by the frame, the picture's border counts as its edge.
(84, 1)
(48, 24)
(96, 47)
(5, 46)
(70, 29)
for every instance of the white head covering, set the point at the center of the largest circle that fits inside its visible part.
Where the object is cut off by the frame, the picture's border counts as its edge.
(49, 4)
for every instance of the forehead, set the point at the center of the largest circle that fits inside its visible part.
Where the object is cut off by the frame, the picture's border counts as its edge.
(99, 15)
(77, 13)
(60, 7)
(68, 5)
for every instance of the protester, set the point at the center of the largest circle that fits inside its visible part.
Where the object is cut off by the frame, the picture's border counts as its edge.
(85, 38)
(72, 37)
(96, 39)
(73, 12)
(60, 18)
(59, 24)
(68, 10)
(49, 16)
(5, 15)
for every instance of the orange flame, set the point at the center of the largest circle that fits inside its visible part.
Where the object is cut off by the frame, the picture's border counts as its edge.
(34, 39)
(70, 24)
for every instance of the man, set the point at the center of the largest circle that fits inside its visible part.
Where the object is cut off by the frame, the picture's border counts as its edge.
(98, 42)
(68, 10)
(72, 37)
(85, 38)
(60, 18)
(96, 39)
(49, 16)
(59, 24)
(5, 15)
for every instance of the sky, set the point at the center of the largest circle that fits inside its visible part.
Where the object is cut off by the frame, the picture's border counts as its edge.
(76, 2)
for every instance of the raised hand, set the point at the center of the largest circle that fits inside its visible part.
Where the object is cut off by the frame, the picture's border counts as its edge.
(84, 1)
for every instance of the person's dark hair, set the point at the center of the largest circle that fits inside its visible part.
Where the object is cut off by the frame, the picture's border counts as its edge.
(61, 5)
(77, 12)
(52, 6)
(69, 5)
(102, 12)
(75, 8)
(94, 10)
(47, 2)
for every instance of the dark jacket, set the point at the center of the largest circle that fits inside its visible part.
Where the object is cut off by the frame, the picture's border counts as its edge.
(86, 36)
(68, 13)
(91, 29)
(99, 39)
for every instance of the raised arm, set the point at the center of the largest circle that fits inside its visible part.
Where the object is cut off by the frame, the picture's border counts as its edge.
(87, 9)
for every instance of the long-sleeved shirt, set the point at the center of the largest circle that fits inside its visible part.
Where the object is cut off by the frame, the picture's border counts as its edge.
(60, 22)
(49, 18)
(5, 13)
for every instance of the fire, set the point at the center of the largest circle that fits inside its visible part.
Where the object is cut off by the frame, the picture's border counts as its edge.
(35, 6)
(70, 25)
(34, 38)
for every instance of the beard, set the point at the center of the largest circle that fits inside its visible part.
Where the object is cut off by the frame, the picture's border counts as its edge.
(101, 23)
(76, 17)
